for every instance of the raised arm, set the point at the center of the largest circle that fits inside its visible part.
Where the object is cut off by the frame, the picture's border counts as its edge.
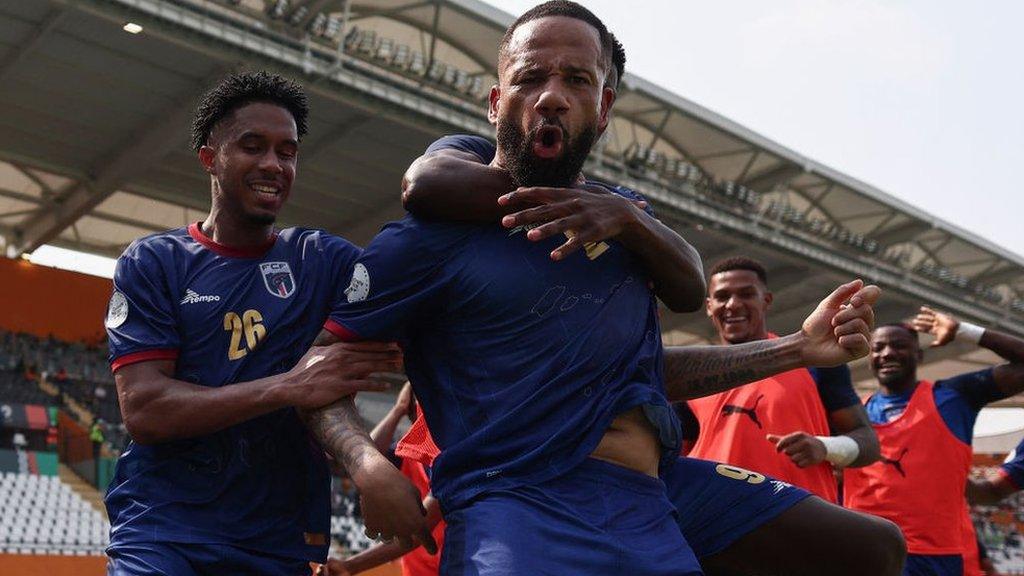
(1009, 377)
(450, 184)
(390, 503)
(156, 407)
(835, 333)
(453, 183)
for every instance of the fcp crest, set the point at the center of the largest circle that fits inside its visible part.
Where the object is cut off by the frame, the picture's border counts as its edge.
(277, 277)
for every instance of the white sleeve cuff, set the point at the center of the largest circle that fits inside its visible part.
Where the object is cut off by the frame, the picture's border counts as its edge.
(969, 332)
(840, 450)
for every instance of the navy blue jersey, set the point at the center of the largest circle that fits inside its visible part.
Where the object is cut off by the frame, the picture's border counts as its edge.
(225, 316)
(834, 384)
(519, 362)
(479, 146)
(958, 399)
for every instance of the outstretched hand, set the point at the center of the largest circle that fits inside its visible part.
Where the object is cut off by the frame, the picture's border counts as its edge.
(586, 215)
(942, 326)
(839, 328)
(802, 448)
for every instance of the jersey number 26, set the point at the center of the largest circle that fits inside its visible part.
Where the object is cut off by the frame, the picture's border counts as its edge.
(250, 325)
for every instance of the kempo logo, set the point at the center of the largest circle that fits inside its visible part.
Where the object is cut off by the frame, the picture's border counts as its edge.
(193, 297)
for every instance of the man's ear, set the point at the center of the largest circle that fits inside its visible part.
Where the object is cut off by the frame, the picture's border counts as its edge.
(207, 155)
(768, 297)
(608, 96)
(492, 104)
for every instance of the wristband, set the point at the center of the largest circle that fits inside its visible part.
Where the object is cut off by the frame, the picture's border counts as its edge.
(969, 332)
(840, 450)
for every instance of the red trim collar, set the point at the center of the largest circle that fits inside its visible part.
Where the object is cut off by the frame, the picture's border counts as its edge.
(231, 252)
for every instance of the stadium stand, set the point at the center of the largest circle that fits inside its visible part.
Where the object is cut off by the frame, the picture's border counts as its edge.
(346, 522)
(42, 515)
(386, 78)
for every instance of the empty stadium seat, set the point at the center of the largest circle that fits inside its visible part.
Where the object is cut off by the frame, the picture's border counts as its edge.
(42, 515)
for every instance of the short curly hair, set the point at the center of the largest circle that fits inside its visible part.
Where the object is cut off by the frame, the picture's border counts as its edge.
(618, 63)
(740, 263)
(238, 90)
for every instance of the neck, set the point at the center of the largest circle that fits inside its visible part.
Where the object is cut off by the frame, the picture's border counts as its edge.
(227, 229)
(901, 387)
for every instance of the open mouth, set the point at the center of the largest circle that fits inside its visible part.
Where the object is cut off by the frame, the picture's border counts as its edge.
(889, 368)
(734, 320)
(548, 142)
(266, 192)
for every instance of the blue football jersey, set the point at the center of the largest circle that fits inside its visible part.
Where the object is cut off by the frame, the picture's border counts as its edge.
(519, 362)
(225, 316)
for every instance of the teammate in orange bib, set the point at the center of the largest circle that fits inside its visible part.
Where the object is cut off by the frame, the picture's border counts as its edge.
(925, 430)
(782, 425)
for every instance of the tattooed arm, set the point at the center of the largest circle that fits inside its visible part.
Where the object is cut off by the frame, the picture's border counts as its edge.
(835, 333)
(696, 371)
(390, 503)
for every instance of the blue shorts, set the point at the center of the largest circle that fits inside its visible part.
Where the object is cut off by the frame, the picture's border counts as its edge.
(934, 565)
(718, 504)
(597, 519)
(171, 559)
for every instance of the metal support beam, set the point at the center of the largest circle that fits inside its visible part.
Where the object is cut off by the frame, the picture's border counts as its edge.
(816, 201)
(902, 233)
(746, 167)
(433, 35)
(765, 181)
(138, 151)
(29, 45)
(390, 12)
(723, 154)
(656, 135)
(1009, 274)
(45, 189)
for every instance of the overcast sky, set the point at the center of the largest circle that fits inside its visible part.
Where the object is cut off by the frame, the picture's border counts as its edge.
(921, 99)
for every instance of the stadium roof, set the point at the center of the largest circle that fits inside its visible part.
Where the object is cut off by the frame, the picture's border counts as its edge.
(95, 122)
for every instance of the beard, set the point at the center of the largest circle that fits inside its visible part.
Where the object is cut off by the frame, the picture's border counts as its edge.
(260, 220)
(527, 169)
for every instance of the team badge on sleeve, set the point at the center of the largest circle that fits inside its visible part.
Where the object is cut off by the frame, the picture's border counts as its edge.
(277, 277)
(117, 310)
(359, 288)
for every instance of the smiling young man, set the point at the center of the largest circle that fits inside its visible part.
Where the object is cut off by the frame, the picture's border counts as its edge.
(782, 426)
(926, 429)
(207, 327)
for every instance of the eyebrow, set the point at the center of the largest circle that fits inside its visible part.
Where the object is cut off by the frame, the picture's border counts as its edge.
(251, 134)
